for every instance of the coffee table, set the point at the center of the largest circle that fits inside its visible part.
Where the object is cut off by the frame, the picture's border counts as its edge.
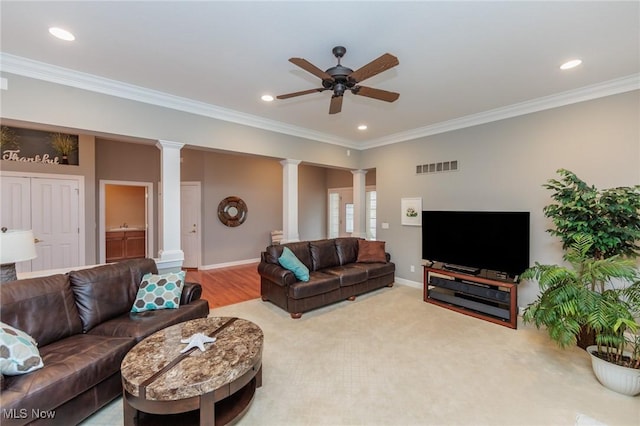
(212, 387)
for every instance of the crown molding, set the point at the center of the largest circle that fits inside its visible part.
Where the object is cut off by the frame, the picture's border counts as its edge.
(64, 76)
(54, 74)
(600, 90)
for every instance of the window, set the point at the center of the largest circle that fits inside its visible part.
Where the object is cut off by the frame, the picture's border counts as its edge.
(348, 217)
(371, 214)
(334, 215)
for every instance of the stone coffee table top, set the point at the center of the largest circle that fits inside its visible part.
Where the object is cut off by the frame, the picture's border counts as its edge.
(238, 347)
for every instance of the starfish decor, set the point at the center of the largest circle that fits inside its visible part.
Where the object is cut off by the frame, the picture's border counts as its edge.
(197, 341)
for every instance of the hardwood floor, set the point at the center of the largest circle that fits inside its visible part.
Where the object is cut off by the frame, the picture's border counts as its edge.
(226, 286)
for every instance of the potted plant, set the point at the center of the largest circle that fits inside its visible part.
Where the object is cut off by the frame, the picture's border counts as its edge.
(598, 293)
(610, 216)
(64, 144)
(602, 295)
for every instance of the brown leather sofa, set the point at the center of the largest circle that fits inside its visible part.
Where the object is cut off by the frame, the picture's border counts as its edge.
(84, 328)
(335, 274)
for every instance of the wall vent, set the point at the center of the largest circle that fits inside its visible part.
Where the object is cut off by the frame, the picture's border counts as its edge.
(444, 166)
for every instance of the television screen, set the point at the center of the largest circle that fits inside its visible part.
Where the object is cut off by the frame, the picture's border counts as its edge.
(495, 241)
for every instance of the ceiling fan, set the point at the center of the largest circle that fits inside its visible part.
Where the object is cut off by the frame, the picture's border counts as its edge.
(340, 79)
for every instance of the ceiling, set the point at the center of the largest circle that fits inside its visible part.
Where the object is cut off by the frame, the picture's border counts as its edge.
(461, 63)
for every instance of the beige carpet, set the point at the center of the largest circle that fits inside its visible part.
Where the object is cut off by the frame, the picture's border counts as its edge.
(390, 359)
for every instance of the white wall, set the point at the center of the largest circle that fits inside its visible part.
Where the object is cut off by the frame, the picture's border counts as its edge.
(503, 166)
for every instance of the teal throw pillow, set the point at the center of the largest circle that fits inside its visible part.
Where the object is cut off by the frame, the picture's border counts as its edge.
(289, 261)
(18, 352)
(159, 292)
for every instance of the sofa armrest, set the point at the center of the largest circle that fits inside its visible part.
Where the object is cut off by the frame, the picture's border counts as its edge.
(190, 292)
(276, 274)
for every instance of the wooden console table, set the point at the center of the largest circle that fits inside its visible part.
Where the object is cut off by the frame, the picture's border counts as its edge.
(491, 300)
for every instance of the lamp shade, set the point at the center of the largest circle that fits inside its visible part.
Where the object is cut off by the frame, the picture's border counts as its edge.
(16, 246)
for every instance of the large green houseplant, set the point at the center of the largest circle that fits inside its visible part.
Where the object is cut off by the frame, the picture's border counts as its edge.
(602, 295)
(610, 216)
(599, 292)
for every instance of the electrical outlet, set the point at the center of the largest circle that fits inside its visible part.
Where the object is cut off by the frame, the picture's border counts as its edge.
(413, 268)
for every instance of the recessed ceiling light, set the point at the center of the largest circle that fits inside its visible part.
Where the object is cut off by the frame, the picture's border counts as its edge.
(362, 127)
(570, 64)
(61, 34)
(267, 98)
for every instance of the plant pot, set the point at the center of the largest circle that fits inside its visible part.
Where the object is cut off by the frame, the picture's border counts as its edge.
(619, 379)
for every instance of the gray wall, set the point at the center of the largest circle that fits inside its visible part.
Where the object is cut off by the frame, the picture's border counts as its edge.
(258, 182)
(502, 167)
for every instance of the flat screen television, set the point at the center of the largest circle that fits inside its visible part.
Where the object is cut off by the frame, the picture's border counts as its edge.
(495, 241)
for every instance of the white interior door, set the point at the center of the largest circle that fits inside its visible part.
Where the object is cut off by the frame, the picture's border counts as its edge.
(16, 208)
(55, 222)
(49, 206)
(190, 228)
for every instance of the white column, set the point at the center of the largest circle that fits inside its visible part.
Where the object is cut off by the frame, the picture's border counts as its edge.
(290, 201)
(359, 204)
(171, 254)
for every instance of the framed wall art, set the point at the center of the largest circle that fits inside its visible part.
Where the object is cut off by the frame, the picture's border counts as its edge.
(411, 210)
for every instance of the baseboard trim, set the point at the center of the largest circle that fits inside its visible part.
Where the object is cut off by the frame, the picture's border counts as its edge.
(409, 283)
(227, 264)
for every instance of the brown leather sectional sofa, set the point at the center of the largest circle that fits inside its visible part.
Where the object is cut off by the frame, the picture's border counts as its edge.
(83, 326)
(335, 274)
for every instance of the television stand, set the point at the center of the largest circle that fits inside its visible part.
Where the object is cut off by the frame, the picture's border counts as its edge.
(463, 269)
(484, 298)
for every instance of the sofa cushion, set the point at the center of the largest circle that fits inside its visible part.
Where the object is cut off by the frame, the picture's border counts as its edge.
(323, 254)
(138, 268)
(375, 270)
(318, 283)
(348, 274)
(159, 292)
(71, 366)
(142, 324)
(300, 249)
(26, 302)
(101, 293)
(371, 251)
(289, 261)
(18, 352)
(347, 249)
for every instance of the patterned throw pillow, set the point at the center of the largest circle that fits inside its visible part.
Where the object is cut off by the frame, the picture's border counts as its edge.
(159, 292)
(18, 352)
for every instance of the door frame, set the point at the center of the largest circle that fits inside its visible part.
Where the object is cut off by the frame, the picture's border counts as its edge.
(82, 225)
(198, 185)
(149, 210)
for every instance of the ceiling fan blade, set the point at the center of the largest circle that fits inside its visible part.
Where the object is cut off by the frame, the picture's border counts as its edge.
(302, 92)
(379, 94)
(374, 67)
(336, 105)
(309, 67)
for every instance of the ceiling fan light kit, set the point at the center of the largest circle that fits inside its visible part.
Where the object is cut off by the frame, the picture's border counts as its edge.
(340, 79)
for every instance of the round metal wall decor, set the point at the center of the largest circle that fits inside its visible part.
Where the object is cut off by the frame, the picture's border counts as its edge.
(232, 211)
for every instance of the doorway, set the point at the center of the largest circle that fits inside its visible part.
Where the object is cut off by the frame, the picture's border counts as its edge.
(125, 220)
(340, 214)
